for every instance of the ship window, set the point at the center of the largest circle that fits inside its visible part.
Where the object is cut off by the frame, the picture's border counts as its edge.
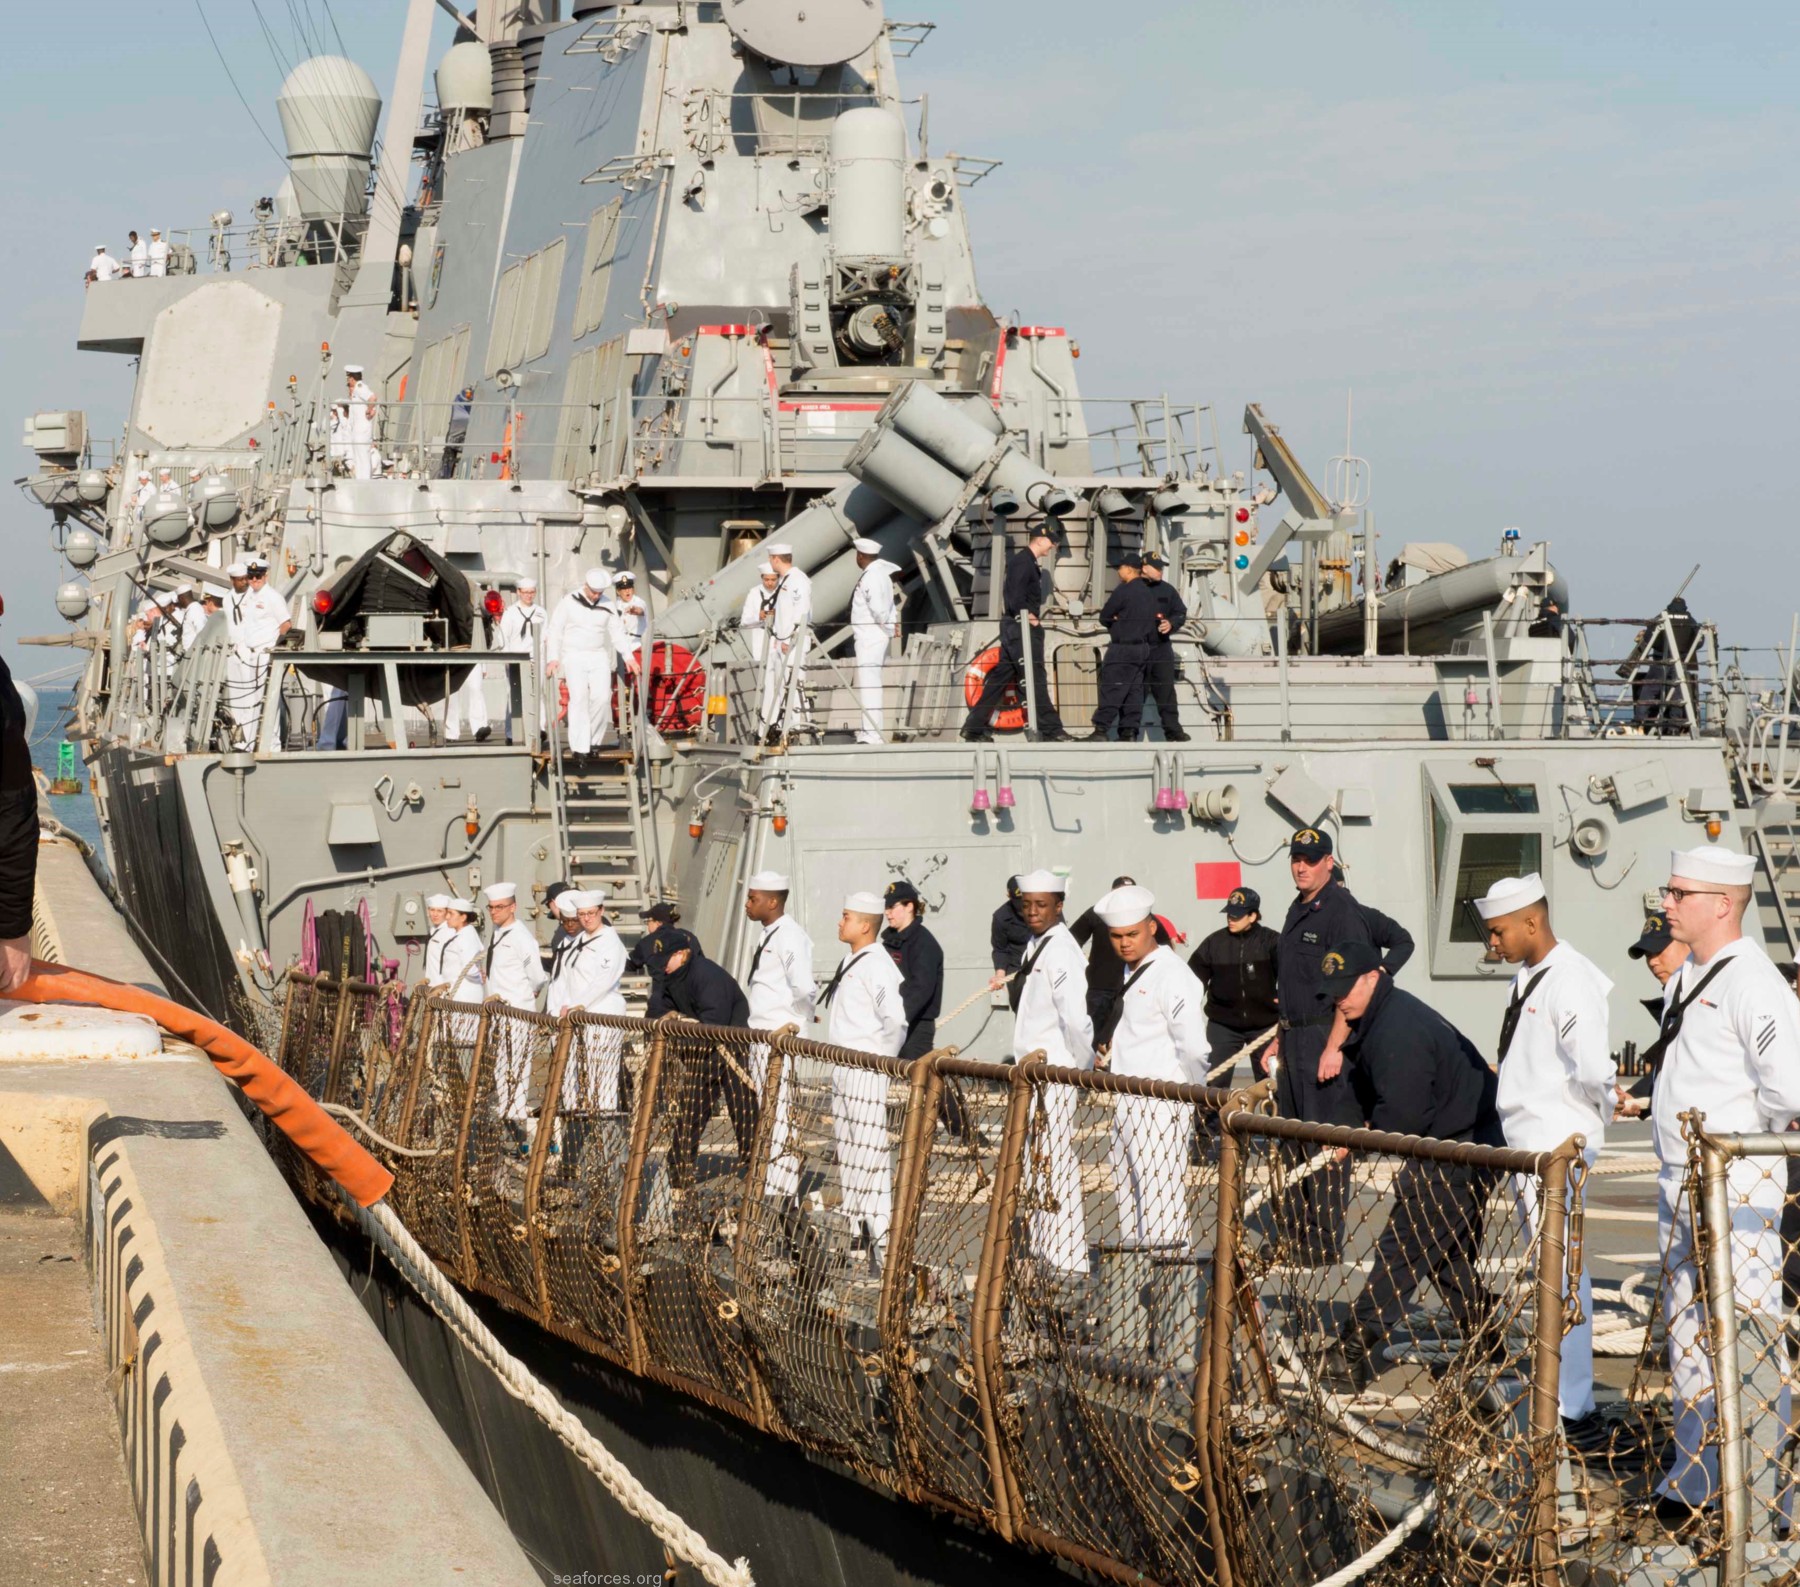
(1495, 798)
(589, 398)
(596, 267)
(1484, 859)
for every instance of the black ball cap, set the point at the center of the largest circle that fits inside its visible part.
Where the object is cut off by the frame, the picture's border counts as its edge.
(1152, 560)
(1245, 901)
(1131, 560)
(658, 950)
(1655, 938)
(901, 892)
(1343, 967)
(660, 915)
(1309, 843)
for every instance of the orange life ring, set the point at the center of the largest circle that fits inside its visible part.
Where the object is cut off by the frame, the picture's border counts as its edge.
(1010, 718)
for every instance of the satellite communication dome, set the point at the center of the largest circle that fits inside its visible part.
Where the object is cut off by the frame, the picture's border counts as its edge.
(805, 32)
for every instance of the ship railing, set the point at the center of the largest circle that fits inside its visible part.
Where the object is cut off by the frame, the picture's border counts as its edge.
(266, 245)
(795, 124)
(1146, 1326)
(710, 435)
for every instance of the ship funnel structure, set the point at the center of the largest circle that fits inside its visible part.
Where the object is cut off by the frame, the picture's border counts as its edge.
(329, 109)
(957, 439)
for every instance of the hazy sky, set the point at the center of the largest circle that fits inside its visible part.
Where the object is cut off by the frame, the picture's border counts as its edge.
(1552, 247)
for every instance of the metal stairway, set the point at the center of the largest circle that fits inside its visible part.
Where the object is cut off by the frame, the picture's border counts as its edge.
(601, 826)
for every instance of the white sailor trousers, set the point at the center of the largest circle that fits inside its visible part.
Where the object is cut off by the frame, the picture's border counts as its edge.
(1755, 1197)
(783, 1178)
(783, 671)
(589, 674)
(1575, 1382)
(1149, 1158)
(467, 701)
(245, 674)
(1058, 1225)
(871, 651)
(860, 1134)
(590, 1082)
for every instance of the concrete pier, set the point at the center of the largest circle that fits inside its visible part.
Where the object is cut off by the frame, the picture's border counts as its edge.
(262, 1432)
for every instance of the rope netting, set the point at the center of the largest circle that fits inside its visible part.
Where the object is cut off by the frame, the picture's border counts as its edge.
(1148, 1327)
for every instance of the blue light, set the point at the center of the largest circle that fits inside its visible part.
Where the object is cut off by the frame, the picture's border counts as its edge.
(1243, 562)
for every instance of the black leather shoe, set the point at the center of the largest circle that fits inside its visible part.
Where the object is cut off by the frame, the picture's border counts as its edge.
(1587, 1435)
(483, 734)
(1348, 1367)
(976, 738)
(1175, 735)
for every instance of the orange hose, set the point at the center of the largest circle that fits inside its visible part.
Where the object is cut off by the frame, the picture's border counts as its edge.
(313, 1131)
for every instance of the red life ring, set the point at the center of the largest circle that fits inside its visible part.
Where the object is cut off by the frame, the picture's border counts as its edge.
(1010, 718)
(677, 689)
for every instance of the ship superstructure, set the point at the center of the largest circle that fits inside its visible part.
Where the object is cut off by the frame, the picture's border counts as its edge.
(660, 284)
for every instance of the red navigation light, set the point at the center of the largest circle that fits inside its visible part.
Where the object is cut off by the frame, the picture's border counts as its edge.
(492, 604)
(1243, 515)
(322, 602)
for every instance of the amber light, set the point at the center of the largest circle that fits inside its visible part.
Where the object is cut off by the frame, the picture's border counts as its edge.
(1714, 827)
(696, 828)
(780, 825)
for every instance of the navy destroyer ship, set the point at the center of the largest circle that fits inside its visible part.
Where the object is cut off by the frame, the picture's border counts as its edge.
(652, 288)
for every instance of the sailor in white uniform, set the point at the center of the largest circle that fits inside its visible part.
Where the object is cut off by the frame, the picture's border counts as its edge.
(759, 606)
(191, 615)
(780, 991)
(634, 615)
(521, 631)
(873, 615)
(1053, 1021)
(255, 618)
(1556, 1080)
(158, 252)
(140, 497)
(1734, 1056)
(513, 970)
(867, 1015)
(790, 637)
(588, 978)
(514, 966)
(459, 965)
(360, 397)
(103, 267)
(1160, 1035)
(435, 906)
(139, 256)
(468, 703)
(581, 642)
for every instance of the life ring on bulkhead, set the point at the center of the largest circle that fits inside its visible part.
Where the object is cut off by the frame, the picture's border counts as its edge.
(677, 689)
(1010, 718)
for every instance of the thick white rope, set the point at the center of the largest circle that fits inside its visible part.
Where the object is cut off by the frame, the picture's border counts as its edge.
(1338, 1410)
(1248, 1050)
(1415, 1516)
(384, 1227)
(1311, 1166)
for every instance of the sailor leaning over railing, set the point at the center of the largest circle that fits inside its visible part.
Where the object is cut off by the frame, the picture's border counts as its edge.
(1731, 1028)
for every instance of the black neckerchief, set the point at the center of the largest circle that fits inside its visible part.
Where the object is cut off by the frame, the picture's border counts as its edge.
(756, 958)
(1109, 1021)
(831, 990)
(1016, 991)
(1509, 1023)
(1676, 1011)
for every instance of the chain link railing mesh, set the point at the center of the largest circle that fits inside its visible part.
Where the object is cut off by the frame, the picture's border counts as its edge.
(1147, 1327)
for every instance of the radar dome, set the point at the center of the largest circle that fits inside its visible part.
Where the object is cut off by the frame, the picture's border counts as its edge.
(328, 105)
(465, 78)
(329, 109)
